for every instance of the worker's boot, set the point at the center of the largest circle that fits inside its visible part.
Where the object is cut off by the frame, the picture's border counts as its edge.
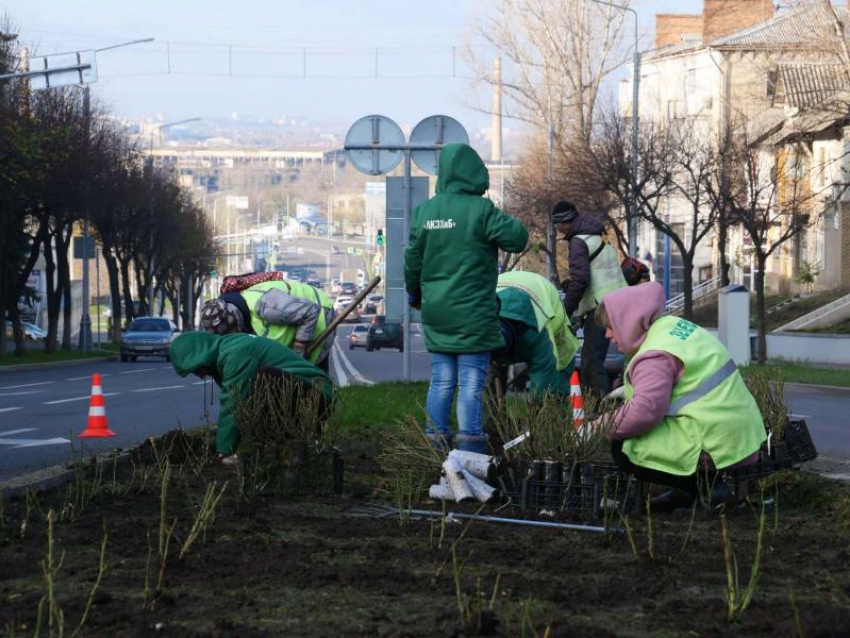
(672, 499)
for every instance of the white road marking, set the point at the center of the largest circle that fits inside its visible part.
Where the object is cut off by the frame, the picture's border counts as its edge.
(11, 409)
(800, 416)
(19, 443)
(20, 431)
(341, 377)
(88, 396)
(88, 376)
(199, 383)
(164, 387)
(18, 394)
(135, 371)
(166, 368)
(351, 369)
(26, 385)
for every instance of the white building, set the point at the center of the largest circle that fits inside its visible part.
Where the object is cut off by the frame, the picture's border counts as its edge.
(739, 66)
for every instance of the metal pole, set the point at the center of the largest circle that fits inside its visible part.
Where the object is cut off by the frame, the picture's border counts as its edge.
(633, 213)
(97, 274)
(632, 216)
(85, 318)
(550, 227)
(408, 193)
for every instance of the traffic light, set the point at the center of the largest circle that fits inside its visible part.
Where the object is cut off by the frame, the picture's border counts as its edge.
(380, 237)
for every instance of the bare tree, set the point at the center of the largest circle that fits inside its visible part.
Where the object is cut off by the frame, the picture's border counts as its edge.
(772, 198)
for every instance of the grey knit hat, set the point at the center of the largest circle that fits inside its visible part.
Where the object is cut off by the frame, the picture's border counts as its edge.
(220, 317)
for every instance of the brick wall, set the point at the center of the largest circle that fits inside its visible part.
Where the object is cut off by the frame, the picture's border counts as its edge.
(722, 17)
(669, 27)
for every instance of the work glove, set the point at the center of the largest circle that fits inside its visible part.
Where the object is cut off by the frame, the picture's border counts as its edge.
(414, 301)
(300, 348)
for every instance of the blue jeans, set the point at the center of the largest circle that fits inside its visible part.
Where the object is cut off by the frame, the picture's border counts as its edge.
(467, 372)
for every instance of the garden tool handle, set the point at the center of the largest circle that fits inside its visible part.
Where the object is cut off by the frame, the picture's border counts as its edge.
(341, 316)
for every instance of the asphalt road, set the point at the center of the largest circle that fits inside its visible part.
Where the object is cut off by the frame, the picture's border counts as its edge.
(41, 411)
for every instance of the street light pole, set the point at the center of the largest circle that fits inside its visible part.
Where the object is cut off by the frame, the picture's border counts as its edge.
(158, 127)
(632, 217)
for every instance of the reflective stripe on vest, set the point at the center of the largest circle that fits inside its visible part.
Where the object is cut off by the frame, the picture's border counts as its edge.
(703, 388)
(605, 273)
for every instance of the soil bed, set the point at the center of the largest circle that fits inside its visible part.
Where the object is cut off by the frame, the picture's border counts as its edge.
(320, 566)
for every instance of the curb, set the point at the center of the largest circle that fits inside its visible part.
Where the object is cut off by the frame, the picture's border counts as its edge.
(814, 385)
(51, 477)
(56, 364)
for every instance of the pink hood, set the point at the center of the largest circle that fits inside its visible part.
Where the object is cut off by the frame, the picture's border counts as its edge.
(631, 310)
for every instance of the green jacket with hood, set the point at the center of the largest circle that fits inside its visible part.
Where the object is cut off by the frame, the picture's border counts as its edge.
(233, 361)
(451, 259)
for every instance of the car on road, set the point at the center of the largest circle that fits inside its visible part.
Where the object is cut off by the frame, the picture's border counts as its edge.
(384, 335)
(615, 361)
(336, 286)
(148, 337)
(335, 250)
(373, 302)
(357, 338)
(342, 301)
(31, 331)
(348, 288)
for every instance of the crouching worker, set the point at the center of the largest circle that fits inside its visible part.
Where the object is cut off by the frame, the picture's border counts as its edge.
(536, 331)
(687, 412)
(289, 312)
(234, 361)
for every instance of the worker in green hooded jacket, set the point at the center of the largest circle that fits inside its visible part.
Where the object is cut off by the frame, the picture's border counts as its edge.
(536, 331)
(450, 270)
(234, 361)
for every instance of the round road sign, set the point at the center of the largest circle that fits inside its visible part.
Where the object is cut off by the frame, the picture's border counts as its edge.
(437, 130)
(366, 135)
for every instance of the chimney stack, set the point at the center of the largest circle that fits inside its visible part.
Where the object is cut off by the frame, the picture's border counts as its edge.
(496, 151)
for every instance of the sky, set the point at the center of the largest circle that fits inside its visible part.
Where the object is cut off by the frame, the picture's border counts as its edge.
(276, 58)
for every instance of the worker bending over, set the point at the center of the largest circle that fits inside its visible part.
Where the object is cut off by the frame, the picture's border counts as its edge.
(235, 361)
(687, 408)
(289, 312)
(536, 331)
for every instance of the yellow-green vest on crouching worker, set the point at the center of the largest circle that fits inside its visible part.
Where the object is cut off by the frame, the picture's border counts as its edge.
(711, 408)
(285, 333)
(548, 311)
(605, 273)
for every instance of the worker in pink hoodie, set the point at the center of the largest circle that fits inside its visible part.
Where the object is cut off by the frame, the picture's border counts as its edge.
(687, 409)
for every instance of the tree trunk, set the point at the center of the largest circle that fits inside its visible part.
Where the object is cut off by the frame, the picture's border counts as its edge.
(64, 272)
(17, 330)
(761, 319)
(114, 295)
(722, 245)
(129, 314)
(52, 298)
(688, 284)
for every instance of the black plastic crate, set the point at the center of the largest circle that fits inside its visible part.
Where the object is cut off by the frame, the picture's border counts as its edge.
(798, 441)
(742, 479)
(582, 489)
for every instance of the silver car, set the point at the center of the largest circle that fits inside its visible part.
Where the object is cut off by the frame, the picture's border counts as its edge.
(148, 337)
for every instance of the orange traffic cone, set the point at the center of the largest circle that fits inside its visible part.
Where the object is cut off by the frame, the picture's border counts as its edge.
(96, 427)
(577, 401)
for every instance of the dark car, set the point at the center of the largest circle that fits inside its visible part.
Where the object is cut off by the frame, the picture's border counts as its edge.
(148, 337)
(373, 302)
(384, 335)
(348, 288)
(615, 361)
(357, 337)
